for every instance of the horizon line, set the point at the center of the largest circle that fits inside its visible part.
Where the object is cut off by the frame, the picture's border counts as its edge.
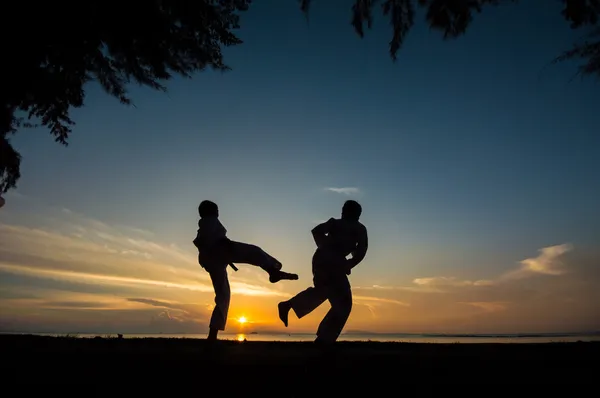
(522, 334)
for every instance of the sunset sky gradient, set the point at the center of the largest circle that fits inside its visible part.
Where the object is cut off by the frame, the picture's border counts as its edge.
(476, 163)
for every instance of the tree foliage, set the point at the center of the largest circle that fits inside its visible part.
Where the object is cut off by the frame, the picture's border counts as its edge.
(52, 49)
(453, 17)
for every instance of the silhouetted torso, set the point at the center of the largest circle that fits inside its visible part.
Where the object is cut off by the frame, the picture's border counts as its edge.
(210, 232)
(343, 236)
(342, 240)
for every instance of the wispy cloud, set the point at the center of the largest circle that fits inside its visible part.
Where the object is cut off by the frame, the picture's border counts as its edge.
(34, 308)
(111, 280)
(77, 248)
(488, 306)
(344, 190)
(373, 303)
(530, 296)
(368, 299)
(546, 263)
(440, 281)
(436, 284)
(175, 311)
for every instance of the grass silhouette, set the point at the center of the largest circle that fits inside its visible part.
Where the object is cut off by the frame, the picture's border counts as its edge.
(299, 368)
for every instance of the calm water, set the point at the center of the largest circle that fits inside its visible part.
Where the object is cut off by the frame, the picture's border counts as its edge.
(412, 338)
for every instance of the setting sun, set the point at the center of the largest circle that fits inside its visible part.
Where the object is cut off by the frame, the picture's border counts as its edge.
(242, 320)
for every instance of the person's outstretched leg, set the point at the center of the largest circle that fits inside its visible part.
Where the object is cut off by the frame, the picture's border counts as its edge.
(303, 303)
(218, 320)
(251, 254)
(278, 275)
(339, 293)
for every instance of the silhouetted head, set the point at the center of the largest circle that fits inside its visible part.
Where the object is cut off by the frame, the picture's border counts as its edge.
(208, 208)
(351, 210)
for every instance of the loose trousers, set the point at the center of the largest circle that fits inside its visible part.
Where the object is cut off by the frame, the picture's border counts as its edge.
(329, 284)
(216, 266)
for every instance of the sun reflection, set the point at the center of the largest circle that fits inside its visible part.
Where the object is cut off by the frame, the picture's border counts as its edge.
(241, 337)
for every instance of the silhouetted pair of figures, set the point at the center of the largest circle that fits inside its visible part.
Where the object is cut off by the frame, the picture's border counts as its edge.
(336, 239)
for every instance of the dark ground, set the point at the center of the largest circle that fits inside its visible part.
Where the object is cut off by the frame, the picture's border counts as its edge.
(111, 366)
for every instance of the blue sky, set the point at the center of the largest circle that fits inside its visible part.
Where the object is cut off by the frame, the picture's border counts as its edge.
(468, 155)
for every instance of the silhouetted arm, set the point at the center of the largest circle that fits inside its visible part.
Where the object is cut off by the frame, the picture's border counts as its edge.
(320, 232)
(361, 249)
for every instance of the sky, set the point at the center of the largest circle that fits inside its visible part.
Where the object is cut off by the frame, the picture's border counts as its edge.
(476, 163)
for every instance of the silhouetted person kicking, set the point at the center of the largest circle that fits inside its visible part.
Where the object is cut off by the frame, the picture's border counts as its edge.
(216, 252)
(335, 239)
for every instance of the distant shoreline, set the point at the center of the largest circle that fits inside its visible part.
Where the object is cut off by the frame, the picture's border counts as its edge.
(347, 337)
(353, 333)
(473, 335)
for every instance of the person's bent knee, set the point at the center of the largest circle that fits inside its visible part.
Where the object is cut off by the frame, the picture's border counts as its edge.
(222, 299)
(343, 310)
(345, 313)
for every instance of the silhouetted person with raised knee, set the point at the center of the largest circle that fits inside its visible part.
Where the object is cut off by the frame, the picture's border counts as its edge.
(216, 252)
(336, 239)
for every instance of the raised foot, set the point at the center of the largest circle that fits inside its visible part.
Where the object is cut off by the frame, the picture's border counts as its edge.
(277, 276)
(284, 311)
